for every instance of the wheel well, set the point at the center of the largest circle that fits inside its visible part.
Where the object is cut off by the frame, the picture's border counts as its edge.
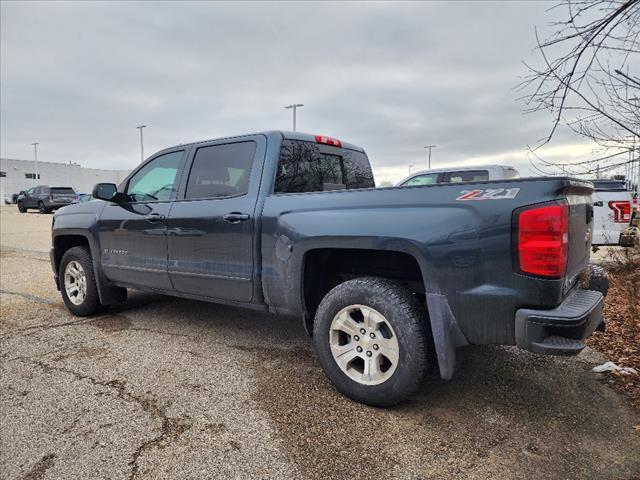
(62, 243)
(325, 268)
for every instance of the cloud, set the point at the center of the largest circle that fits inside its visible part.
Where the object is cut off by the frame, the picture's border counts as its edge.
(392, 77)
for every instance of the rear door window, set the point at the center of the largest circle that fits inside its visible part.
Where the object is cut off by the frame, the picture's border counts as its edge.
(311, 167)
(221, 170)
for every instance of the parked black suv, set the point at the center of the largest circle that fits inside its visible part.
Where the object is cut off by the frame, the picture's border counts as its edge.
(45, 198)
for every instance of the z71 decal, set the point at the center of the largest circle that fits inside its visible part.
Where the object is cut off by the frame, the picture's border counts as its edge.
(489, 194)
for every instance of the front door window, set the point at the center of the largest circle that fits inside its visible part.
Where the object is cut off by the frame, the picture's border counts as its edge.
(156, 181)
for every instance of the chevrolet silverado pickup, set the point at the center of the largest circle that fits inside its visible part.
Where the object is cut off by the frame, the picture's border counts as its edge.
(388, 281)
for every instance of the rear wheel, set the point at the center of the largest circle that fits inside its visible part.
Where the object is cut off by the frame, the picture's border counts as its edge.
(371, 338)
(77, 282)
(22, 208)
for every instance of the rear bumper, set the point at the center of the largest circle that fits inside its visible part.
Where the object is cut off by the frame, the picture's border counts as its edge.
(561, 330)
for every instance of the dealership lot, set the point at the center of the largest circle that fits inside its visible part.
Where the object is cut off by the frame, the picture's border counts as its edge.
(169, 388)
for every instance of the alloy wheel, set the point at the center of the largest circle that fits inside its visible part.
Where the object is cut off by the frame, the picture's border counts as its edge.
(364, 345)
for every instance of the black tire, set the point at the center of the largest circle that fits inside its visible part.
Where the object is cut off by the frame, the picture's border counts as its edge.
(22, 208)
(91, 303)
(598, 279)
(409, 321)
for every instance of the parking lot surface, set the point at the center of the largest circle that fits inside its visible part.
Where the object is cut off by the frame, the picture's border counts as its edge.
(169, 388)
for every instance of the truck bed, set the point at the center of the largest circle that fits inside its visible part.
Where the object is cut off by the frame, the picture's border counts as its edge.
(461, 242)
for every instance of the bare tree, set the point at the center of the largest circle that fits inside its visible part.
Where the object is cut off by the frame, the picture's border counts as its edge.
(588, 80)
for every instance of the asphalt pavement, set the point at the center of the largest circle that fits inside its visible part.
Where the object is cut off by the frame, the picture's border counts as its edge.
(169, 388)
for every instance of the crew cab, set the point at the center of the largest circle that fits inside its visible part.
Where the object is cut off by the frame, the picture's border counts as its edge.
(388, 281)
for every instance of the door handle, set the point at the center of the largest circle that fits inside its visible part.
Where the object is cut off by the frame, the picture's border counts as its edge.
(154, 217)
(598, 204)
(235, 217)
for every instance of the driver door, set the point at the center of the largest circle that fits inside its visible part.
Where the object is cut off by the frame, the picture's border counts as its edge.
(28, 198)
(133, 234)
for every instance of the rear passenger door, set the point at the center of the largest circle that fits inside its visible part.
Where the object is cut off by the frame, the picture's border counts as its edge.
(211, 225)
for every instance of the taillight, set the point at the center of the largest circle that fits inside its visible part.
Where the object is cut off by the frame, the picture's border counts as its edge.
(543, 240)
(328, 141)
(51, 197)
(621, 210)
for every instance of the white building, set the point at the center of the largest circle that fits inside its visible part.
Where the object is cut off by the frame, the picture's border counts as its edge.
(16, 175)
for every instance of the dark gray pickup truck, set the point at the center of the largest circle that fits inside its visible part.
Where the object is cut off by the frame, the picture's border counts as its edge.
(388, 281)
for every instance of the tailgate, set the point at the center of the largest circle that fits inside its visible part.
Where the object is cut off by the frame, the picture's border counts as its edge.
(578, 196)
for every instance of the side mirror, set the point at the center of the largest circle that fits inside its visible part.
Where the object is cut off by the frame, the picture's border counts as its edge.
(105, 191)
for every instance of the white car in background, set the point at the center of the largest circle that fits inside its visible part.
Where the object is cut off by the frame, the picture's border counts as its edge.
(613, 208)
(475, 173)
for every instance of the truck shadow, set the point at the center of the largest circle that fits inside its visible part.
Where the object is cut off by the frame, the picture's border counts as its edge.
(504, 411)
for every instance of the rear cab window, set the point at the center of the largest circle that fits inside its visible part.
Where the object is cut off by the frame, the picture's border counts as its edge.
(62, 191)
(608, 185)
(305, 166)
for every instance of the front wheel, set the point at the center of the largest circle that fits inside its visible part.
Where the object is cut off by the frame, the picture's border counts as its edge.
(371, 338)
(77, 282)
(22, 208)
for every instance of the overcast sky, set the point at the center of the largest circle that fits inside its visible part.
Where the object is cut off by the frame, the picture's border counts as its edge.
(78, 78)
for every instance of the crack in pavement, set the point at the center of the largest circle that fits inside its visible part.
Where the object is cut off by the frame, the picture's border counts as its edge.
(38, 471)
(160, 332)
(36, 255)
(114, 310)
(171, 428)
(55, 350)
(48, 326)
(28, 296)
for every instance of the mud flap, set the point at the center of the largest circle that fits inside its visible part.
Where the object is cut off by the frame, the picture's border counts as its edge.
(108, 295)
(447, 336)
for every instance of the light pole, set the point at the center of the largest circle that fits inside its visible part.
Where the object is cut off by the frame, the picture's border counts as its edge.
(140, 127)
(35, 157)
(429, 147)
(294, 106)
